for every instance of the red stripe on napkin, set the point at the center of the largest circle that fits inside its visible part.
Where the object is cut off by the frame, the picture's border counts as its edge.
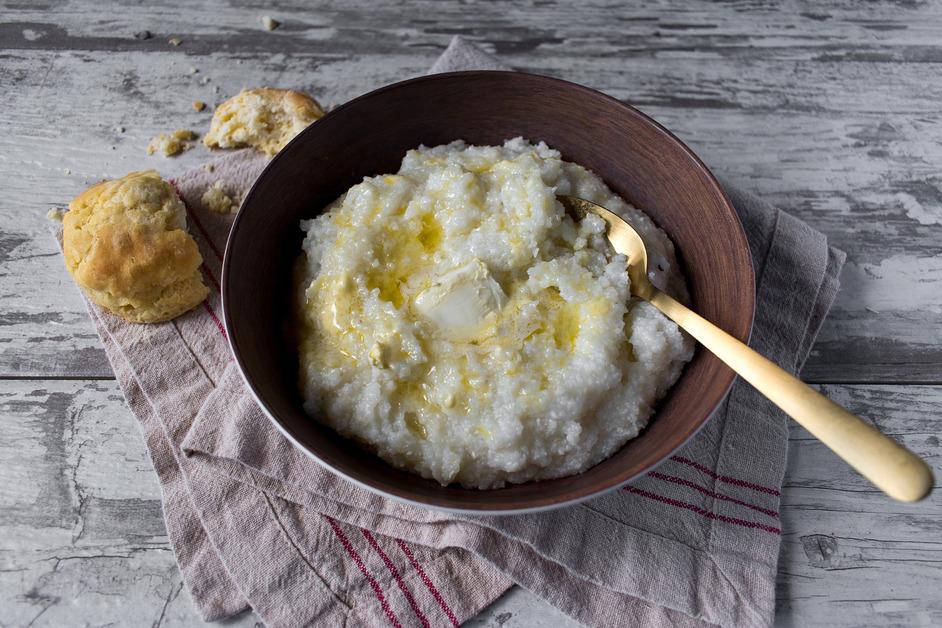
(725, 478)
(347, 545)
(683, 482)
(702, 512)
(396, 575)
(428, 582)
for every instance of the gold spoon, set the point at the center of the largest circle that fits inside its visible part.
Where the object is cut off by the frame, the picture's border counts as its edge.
(891, 467)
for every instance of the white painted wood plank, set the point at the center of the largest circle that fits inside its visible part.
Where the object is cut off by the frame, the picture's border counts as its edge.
(827, 113)
(518, 608)
(877, 330)
(850, 556)
(596, 28)
(82, 538)
(77, 486)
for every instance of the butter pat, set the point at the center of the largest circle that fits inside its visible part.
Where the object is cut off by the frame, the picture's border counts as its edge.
(463, 304)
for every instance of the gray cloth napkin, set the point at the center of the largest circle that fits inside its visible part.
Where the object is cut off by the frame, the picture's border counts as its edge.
(254, 522)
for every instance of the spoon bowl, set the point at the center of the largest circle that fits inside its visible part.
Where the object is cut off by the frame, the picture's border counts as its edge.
(623, 237)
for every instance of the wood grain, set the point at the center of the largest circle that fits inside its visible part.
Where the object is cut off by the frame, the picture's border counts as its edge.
(827, 109)
(851, 557)
(83, 535)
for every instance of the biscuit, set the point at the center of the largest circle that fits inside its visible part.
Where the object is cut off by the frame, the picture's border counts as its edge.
(263, 118)
(125, 243)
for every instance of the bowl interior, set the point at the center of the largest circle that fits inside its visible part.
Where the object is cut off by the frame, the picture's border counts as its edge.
(635, 156)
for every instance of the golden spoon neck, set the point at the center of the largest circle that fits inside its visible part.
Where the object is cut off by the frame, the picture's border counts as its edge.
(641, 286)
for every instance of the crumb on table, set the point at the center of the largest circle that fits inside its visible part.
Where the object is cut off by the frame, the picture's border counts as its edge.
(269, 23)
(199, 105)
(55, 213)
(170, 144)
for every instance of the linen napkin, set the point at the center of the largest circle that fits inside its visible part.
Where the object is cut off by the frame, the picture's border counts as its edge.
(255, 523)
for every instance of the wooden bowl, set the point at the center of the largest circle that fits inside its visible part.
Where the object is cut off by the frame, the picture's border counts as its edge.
(637, 158)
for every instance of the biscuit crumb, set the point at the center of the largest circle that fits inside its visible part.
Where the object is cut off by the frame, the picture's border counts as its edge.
(174, 41)
(170, 144)
(216, 199)
(263, 118)
(68, 171)
(194, 70)
(55, 214)
(269, 23)
(119, 129)
(199, 105)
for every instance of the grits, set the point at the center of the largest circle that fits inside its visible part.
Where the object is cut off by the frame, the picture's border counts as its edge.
(457, 322)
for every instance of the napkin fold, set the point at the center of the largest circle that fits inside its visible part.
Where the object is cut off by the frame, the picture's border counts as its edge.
(255, 523)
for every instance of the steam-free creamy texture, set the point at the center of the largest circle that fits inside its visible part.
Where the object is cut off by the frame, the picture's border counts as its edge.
(459, 323)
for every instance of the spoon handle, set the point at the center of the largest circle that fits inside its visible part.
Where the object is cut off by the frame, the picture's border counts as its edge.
(891, 467)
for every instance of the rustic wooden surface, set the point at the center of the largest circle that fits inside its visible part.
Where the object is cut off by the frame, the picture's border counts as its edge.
(829, 109)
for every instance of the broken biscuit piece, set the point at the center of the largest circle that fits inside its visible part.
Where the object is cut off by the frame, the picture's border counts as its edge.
(170, 144)
(125, 243)
(264, 118)
(216, 199)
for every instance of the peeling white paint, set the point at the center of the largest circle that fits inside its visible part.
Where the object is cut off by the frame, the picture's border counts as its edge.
(899, 283)
(918, 212)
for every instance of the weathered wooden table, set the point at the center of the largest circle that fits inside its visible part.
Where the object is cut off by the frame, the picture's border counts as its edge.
(830, 110)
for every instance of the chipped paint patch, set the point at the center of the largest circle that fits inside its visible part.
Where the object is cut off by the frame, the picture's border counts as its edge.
(919, 212)
(900, 283)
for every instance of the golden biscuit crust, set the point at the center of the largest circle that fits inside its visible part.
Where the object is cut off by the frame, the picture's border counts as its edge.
(125, 243)
(264, 118)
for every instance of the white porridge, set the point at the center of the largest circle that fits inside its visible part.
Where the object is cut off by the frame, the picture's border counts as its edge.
(459, 323)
